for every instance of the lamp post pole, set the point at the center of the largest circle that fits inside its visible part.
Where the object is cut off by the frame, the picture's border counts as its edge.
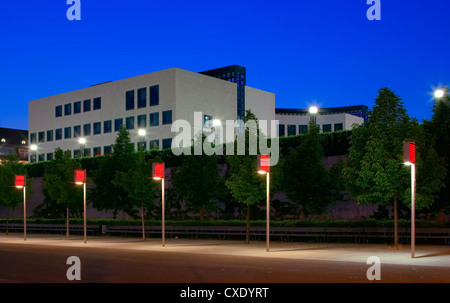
(413, 210)
(163, 223)
(24, 214)
(267, 212)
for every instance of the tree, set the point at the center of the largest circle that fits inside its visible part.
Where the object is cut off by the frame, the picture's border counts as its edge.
(58, 183)
(306, 181)
(138, 185)
(374, 172)
(106, 194)
(244, 183)
(197, 180)
(439, 128)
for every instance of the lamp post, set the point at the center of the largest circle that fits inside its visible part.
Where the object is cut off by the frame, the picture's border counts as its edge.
(264, 168)
(142, 133)
(313, 110)
(20, 182)
(158, 173)
(33, 148)
(409, 159)
(82, 142)
(80, 179)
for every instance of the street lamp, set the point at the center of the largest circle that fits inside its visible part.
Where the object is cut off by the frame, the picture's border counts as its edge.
(439, 93)
(82, 142)
(80, 179)
(142, 133)
(263, 167)
(158, 173)
(313, 110)
(409, 159)
(20, 182)
(33, 148)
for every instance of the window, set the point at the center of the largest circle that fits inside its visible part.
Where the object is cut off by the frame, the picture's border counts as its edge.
(87, 130)
(142, 145)
(338, 127)
(129, 123)
(118, 124)
(207, 120)
(58, 134)
(154, 144)
(41, 157)
(142, 121)
(87, 105)
(58, 111)
(167, 143)
(77, 131)
(142, 97)
(67, 109)
(97, 151)
(77, 107)
(97, 128)
(129, 100)
(326, 128)
(154, 95)
(67, 132)
(33, 138)
(167, 117)
(281, 130)
(302, 129)
(291, 130)
(154, 119)
(41, 137)
(49, 156)
(86, 152)
(107, 150)
(97, 103)
(49, 136)
(107, 126)
(76, 153)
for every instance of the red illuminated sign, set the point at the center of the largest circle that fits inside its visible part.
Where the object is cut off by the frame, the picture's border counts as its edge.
(158, 170)
(409, 152)
(80, 176)
(20, 181)
(263, 163)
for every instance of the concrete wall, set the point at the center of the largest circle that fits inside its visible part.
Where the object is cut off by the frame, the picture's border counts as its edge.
(262, 104)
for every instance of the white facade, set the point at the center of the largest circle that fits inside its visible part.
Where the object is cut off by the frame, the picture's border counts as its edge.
(167, 95)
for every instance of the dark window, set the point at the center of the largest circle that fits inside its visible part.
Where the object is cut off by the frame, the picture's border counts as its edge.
(87, 105)
(118, 124)
(67, 132)
(326, 128)
(76, 153)
(50, 135)
(167, 117)
(33, 138)
(77, 107)
(154, 119)
(58, 111)
(142, 97)
(87, 129)
(129, 100)
(338, 127)
(58, 134)
(154, 95)
(129, 123)
(107, 150)
(142, 121)
(141, 145)
(67, 109)
(97, 103)
(97, 128)
(77, 131)
(107, 126)
(166, 143)
(154, 144)
(41, 157)
(49, 156)
(281, 130)
(86, 152)
(97, 151)
(291, 130)
(41, 137)
(302, 129)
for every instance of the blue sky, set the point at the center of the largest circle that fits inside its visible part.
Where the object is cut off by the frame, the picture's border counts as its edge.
(306, 52)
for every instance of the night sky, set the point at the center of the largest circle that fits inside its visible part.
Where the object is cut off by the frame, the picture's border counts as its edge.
(306, 52)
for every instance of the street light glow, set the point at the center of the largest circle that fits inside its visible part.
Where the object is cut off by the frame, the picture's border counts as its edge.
(313, 110)
(217, 122)
(33, 147)
(82, 141)
(142, 132)
(439, 93)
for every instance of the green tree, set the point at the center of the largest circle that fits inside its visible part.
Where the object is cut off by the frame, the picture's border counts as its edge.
(58, 183)
(306, 181)
(197, 180)
(245, 184)
(375, 173)
(107, 195)
(439, 128)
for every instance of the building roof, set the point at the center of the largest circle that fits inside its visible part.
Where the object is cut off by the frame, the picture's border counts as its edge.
(10, 137)
(329, 110)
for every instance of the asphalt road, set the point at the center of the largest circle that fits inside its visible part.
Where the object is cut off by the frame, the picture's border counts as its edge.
(40, 263)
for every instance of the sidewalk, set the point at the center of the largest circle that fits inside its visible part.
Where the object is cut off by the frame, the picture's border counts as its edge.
(426, 255)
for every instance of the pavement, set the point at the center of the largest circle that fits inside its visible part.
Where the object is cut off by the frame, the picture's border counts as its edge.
(425, 255)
